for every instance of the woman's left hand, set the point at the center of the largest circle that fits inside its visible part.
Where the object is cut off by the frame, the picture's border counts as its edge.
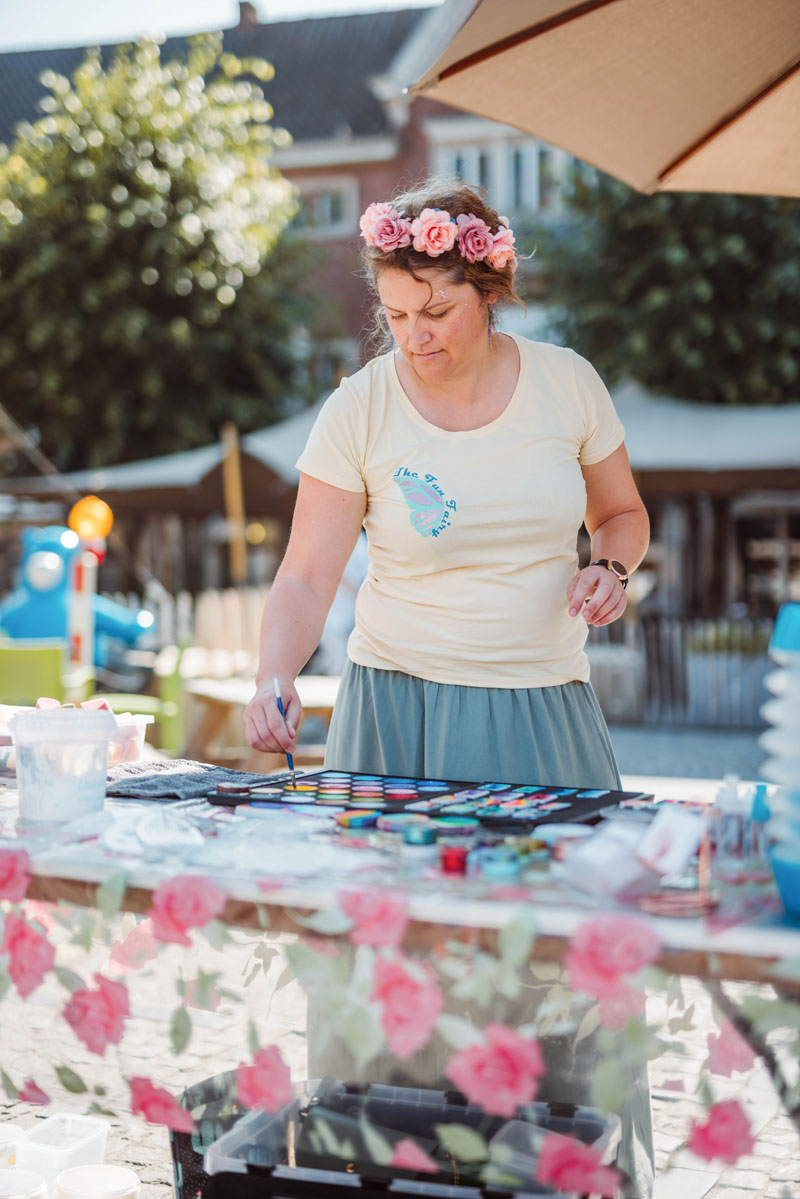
(597, 594)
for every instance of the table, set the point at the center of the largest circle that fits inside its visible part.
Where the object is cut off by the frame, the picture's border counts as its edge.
(221, 697)
(441, 914)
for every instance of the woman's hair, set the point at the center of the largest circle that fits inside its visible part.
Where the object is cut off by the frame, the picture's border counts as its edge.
(452, 198)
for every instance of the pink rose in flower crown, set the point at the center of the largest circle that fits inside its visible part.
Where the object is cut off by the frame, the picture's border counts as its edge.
(410, 1005)
(728, 1052)
(384, 227)
(31, 1092)
(604, 950)
(267, 1083)
(500, 1074)
(30, 954)
(158, 1106)
(14, 874)
(502, 252)
(184, 902)
(380, 916)
(475, 238)
(98, 1017)
(433, 231)
(572, 1166)
(407, 1155)
(725, 1134)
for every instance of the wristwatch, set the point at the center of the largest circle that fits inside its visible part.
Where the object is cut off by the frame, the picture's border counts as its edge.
(615, 567)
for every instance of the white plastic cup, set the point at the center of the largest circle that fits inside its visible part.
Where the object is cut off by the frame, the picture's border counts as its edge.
(96, 1182)
(22, 1184)
(62, 760)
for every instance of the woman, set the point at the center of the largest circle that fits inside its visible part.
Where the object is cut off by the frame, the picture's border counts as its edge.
(471, 457)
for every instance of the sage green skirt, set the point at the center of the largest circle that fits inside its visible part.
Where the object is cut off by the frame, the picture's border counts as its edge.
(387, 722)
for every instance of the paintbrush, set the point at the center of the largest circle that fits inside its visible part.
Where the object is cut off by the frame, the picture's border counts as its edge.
(289, 757)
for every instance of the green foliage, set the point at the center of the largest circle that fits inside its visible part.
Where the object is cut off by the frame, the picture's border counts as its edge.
(146, 292)
(694, 295)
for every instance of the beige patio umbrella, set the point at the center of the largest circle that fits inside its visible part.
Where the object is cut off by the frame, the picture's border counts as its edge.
(673, 95)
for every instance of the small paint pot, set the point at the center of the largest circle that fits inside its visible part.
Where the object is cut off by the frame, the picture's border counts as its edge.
(500, 865)
(355, 819)
(398, 822)
(453, 857)
(455, 826)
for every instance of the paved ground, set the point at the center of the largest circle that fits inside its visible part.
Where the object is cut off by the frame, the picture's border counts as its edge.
(32, 1044)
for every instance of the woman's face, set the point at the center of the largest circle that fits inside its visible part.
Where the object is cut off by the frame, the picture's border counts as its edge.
(440, 327)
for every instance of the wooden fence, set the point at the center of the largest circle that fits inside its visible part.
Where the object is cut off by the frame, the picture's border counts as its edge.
(666, 670)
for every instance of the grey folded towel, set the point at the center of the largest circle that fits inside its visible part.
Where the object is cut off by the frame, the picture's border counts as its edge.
(175, 779)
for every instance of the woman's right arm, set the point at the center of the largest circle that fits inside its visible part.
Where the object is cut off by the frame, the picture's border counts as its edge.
(325, 527)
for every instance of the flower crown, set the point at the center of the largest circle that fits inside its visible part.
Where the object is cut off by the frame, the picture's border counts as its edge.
(434, 232)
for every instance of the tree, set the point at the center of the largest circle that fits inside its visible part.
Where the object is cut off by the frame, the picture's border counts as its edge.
(146, 291)
(694, 295)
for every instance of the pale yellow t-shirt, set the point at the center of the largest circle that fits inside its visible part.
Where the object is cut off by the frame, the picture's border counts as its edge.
(472, 534)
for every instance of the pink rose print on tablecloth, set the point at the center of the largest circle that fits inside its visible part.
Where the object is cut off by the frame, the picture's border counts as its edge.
(615, 1013)
(98, 1017)
(384, 227)
(410, 1006)
(30, 954)
(139, 947)
(433, 231)
(475, 238)
(267, 1083)
(604, 950)
(571, 1166)
(407, 1155)
(380, 917)
(725, 1134)
(728, 1051)
(31, 1092)
(502, 252)
(14, 874)
(184, 902)
(500, 1074)
(158, 1106)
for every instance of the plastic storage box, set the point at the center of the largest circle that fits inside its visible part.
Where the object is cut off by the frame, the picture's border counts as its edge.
(283, 1153)
(62, 1140)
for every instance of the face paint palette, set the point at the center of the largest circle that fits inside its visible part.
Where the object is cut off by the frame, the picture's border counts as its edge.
(499, 806)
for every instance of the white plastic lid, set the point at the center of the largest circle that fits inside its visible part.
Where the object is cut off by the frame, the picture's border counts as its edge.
(96, 1182)
(9, 1131)
(22, 1184)
(61, 724)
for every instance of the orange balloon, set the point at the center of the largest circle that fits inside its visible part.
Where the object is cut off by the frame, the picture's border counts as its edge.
(91, 518)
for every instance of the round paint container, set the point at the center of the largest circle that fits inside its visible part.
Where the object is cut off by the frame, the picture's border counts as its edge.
(500, 864)
(22, 1184)
(100, 1181)
(455, 826)
(453, 857)
(398, 822)
(355, 818)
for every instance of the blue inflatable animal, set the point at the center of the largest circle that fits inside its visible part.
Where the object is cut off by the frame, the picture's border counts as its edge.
(39, 606)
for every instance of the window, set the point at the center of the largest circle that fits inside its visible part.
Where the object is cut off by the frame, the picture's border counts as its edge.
(517, 179)
(458, 166)
(328, 207)
(547, 182)
(484, 175)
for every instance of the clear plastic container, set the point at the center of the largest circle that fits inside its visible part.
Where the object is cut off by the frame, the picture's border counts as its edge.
(62, 760)
(96, 1182)
(22, 1184)
(60, 1141)
(10, 1136)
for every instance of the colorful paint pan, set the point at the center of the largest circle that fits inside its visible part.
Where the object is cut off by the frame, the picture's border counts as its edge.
(398, 822)
(456, 825)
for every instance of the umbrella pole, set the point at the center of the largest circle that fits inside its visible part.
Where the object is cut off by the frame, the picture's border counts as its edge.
(234, 503)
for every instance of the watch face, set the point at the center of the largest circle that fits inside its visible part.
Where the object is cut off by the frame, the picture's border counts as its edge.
(618, 568)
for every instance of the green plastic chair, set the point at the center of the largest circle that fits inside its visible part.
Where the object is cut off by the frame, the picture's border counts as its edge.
(31, 668)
